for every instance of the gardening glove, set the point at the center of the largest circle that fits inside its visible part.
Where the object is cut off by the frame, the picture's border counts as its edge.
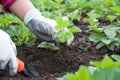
(8, 53)
(42, 27)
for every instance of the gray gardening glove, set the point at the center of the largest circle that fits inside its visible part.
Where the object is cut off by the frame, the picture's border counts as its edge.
(42, 27)
(8, 53)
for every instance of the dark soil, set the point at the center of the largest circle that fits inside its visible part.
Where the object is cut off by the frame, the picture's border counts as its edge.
(52, 64)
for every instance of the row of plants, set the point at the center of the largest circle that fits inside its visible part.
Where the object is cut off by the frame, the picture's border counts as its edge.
(65, 12)
(20, 34)
(90, 11)
(107, 69)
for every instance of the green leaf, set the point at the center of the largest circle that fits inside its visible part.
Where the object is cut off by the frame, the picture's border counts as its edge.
(115, 9)
(62, 23)
(69, 35)
(83, 73)
(24, 37)
(68, 76)
(58, 28)
(116, 57)
(110, 32)
(106, 41)
(93, 15)
(75, 29)
(106, 63)
(109, 2)
(47, 45)
(59, 20)
(111, 17)
(100, 45)
(61, 36)
(46, 13)
(73, 15)
(96, 37)
(112, 46)
(63, 39)
(71, 76)
(59, 1)
(107, 74)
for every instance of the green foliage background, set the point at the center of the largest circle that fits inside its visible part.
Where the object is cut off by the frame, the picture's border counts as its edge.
(90, 11)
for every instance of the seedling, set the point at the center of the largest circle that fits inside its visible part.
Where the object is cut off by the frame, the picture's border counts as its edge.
(47, 45)
(65, 29)
(93, 21)
(62, 33)
(111, 18)
(19, 33)
(108, 37)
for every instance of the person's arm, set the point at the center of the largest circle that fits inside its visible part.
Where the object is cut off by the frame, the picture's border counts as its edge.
(18, 7)
(21, 7)
(33, 19)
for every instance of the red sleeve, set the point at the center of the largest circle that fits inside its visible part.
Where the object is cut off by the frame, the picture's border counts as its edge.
(6, 4)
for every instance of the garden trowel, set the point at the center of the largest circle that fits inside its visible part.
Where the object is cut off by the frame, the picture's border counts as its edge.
(27, 69)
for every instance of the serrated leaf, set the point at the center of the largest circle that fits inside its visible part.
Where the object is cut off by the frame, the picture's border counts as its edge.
(100, 45)
(111, 17)
(93, 15)
(73, 15)
(106, 41)
(69, 35)
(116, 57)
(58, 28)
(116, 9)
(110, 32)
(96, 37)
(75, 29)
(83, 73)
(63, 39)
(59, 34)
(48, 45)
(106, 63)
(59, 20)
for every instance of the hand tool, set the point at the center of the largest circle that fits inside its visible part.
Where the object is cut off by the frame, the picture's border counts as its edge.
(27, 69)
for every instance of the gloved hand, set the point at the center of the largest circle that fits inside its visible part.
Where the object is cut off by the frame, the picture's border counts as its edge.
(8, 53)
(42, 27)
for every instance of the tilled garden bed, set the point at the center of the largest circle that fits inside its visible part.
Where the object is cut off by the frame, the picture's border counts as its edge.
(51, 64)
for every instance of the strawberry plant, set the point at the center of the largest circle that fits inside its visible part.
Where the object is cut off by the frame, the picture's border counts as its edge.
(6, 20)
(92, 10)
(107, 69)
(93, 21)
(65, 29)
(108, 37)
(17, 30)
(105, 35)
(21, 35)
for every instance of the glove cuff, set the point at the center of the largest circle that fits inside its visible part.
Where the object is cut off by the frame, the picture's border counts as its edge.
(30, 15)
